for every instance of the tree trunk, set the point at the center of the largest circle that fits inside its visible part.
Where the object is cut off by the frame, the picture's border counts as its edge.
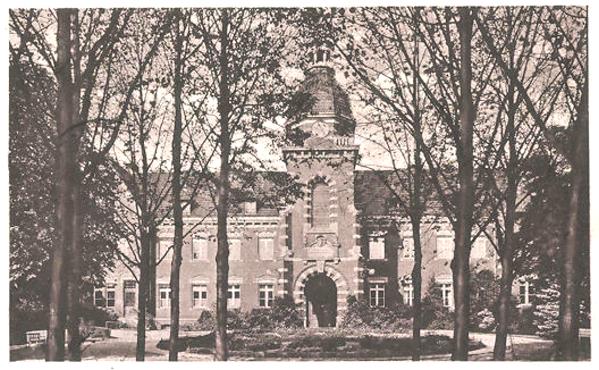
(222, 254)
(417, 285)
(140, 350)
(461, 259)
(151, 275)
(507, 243)
(416, 210)
(577, 238)
(177, 210)
(65, 163)
(74, 294)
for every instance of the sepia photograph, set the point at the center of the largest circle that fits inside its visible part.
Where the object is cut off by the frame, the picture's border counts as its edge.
(298, 183)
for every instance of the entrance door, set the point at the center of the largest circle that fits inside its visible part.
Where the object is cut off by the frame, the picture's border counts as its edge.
(321, 299)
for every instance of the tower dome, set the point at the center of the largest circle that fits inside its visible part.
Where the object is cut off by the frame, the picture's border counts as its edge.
(321, 98)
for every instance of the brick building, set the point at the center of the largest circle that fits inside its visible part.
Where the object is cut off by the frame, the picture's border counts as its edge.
(339, 239)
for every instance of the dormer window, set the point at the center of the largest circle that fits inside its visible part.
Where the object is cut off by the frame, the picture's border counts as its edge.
(249, 207)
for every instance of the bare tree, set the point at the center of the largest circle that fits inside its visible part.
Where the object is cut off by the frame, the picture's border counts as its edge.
(444, 132)
(565, 32)
(243, 52)
(83, 57)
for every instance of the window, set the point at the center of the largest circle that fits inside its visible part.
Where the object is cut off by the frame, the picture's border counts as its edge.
(110, 297)
(320, 205)
(234, 249)
(377, 295)
(408, 248)
(445, 247)
(163, 247)
(99, 300)
(447, 294)
(199, 248)
(376, 247)
(408, 294)
(479, 248)
(234, 296)
(105, 297)
(525, 292)
(265, 249)
(200, 295)
(266, 295)
(164, 300)
(129, 296)
(186, 208)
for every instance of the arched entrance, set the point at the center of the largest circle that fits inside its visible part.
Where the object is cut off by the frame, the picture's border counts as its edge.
(320, 294)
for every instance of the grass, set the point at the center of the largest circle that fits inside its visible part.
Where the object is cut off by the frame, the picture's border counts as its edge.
(310, 344)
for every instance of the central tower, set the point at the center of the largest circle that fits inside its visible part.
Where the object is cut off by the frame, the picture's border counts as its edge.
(322, 230)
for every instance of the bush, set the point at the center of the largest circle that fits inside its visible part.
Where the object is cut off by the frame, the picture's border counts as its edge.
(283, 315)
(360, 315)
(96, 316)
(26, 317)
(546, 312)
(434, 314)
(486, 320)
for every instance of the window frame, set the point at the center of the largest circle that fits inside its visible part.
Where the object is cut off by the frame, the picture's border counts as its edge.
(446, 294)
(201, 242)
(326, 221)
(238, 245)
(408, 294)
(408, 248)
(102, 298)
(379, 298)
(271, 240)
(234, 295)
(447, 252)
(164, 302)
(169, 255)
(376, 240)
(200, 302)
(527, 285)
(268, 299)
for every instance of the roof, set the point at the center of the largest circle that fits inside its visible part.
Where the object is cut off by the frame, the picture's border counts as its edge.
(320, 95)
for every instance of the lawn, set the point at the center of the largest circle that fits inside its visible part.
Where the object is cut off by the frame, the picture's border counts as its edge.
(331, 344)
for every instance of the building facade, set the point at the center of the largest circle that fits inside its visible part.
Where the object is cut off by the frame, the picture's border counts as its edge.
(339, 239)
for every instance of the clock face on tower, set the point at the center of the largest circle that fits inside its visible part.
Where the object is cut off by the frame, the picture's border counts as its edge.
(320, 129)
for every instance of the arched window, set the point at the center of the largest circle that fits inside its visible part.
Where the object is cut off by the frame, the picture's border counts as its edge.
(320, 204)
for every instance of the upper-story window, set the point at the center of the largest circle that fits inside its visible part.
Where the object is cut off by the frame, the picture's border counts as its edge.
(408, 248)
(479, 248)
(376, 247)
(266, 248)
(165, 250)
(186, 204)
(445, 246)
(320, 204)
(234, 249)
(199, 248)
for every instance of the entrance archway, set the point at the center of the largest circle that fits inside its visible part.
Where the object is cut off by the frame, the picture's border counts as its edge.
(320, 294)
